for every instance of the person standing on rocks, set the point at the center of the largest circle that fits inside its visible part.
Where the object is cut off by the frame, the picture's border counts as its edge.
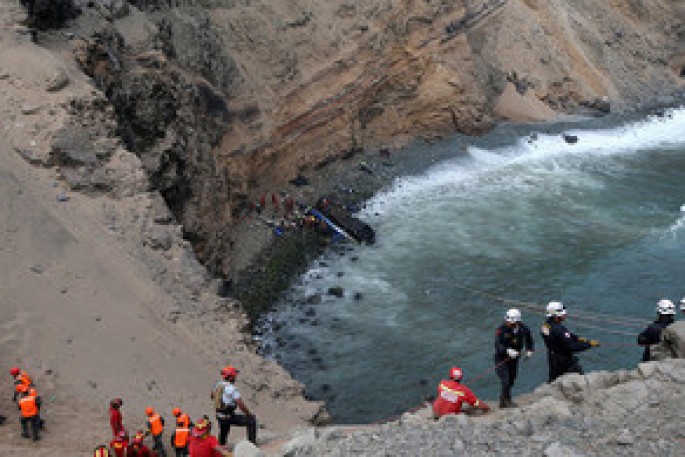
(665, 313)
(510, 339)
(203, 444)
(225, 409)
(179, 439)
(561, 343)
(452, 394)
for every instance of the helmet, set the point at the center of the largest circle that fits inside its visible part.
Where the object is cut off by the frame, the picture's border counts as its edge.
(665, 306)
(138, 438)
(456, 373)
(229, 371)
(176, 412)
(15, 371)
(556, 309)
(513, 316)
(149, 411)
(32, 391)
(122, 434)
(201, 427)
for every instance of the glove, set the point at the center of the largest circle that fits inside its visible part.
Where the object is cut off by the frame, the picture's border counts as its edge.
(512, 353)
(583, 340)
(593, 343)
(528, 354)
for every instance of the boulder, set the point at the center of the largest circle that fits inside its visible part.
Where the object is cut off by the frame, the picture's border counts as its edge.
(672, 343)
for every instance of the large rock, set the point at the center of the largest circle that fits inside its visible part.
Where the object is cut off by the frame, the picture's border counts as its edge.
(246, 449)
(672, 343)
(45, 14)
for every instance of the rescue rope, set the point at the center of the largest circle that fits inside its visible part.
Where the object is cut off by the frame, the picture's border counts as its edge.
(629, 322)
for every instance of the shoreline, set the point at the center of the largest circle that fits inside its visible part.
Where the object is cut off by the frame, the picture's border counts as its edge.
(349, 171)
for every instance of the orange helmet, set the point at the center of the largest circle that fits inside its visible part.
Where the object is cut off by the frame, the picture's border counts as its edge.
(14, 371)
(149, 411)
(33, 391)
(456, 373)
(229, 371)
(176, 412)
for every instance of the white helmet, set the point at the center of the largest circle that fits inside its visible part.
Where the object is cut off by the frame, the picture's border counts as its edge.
(556, 309)
(682, 305)
(513, 316)
(665, 306)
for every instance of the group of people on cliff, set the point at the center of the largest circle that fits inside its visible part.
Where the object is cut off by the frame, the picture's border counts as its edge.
(513, 340)
(193, 439)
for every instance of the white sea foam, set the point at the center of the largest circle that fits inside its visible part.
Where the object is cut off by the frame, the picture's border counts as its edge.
(529, 162)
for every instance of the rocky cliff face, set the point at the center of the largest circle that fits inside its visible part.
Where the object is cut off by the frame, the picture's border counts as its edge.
(225, 99)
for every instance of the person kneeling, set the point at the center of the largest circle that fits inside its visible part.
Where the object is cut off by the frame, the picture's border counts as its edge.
(452, 394)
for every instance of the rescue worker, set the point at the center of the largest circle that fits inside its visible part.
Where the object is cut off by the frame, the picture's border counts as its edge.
(137, 448)
(452, 394)
(119, 444)
(20, 377)
(179, 439)
(510, 339)
(202, 443)
(230, 400)
(682, 305)
(561, 343)
(665, 314)
(155, 427)
(115, 418)
(29, 404)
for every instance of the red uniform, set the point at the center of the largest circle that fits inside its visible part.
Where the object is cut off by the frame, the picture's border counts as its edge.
(115, 420)
(139, 450)
(203, 446)
(119, 446)
(451, 395)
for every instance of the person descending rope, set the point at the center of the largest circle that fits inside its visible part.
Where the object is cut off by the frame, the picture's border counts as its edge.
(179, 439)
(561, 343)
(452, 393)
(229, 399)
(665, 313)
(510, 339)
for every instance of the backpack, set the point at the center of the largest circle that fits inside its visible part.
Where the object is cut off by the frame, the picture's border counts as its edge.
(218, 397)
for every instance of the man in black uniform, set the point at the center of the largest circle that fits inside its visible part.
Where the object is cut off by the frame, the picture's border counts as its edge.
(665, 312)
(561, 344)
(510, 339)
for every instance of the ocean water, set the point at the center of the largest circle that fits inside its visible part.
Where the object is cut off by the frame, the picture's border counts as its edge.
(514, 219)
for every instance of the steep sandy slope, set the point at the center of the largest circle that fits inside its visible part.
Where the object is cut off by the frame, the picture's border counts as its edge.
(99, 294)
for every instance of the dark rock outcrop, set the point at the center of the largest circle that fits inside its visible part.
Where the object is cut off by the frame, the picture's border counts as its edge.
(47, 14)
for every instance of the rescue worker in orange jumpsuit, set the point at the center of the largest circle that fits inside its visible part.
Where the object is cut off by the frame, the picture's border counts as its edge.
(155, 427)
(20, 378)
(120, 444)
(451, 395)
(180, 437)
(29, 404)
(137, 448)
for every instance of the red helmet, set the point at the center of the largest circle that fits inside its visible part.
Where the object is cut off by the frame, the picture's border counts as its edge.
(138, 438)
(201, 428)
(176, 412)
(149, 411)
(229, 371)
(122, 434)
(456, 374)
(14, 371)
